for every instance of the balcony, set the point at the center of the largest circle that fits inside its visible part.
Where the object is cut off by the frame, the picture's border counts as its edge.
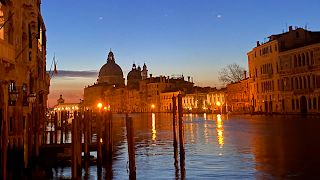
(6, 52)
(303, 91)
(266, 76)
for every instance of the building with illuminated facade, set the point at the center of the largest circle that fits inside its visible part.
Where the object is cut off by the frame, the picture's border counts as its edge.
(283, 73)
(238, 94)
(65, 110)
(24, 83)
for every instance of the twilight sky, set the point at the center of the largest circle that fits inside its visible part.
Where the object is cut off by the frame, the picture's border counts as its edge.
(189, 37)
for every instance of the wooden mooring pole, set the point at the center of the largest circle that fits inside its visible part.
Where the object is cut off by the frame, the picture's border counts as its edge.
(98, 122)
(56, 128)
(86, 134)
(110, 135)
(73, 148)
(131, 150)
(181, 137)
(61, 127)
(79, 144)
(174, 123)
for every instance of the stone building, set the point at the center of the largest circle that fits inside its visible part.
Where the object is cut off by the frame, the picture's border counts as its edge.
(283, 73)
(216, 100)
(238, 94)
(300, 79)
(65, 110)
(24, 83)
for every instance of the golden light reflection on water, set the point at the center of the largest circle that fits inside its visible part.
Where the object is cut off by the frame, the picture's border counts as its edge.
(205, 116)
(154, 128)
(220, 130)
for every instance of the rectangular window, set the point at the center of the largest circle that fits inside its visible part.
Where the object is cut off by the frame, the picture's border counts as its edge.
(10, 124)
(23, 122)
(293, 104)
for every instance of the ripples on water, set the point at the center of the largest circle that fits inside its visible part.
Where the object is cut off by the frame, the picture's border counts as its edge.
(217, 147)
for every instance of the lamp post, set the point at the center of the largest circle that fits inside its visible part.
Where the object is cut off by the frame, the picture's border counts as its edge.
(219, 104)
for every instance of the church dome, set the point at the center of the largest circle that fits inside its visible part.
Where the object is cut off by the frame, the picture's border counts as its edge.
(111, 72)
(110, 69)
(134, 74)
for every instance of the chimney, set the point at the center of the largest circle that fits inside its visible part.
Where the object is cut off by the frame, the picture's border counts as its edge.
(160, 79)
(245, 74)
(188, 78)
(168, 78)
(151, 78)
(290, 28)
(258, 44)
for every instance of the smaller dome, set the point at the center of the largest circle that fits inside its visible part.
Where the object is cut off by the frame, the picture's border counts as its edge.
(134, 74)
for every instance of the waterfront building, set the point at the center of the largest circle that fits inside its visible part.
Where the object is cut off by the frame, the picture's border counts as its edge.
(283, 72)
(24, 83)
(238, 94)
(65, 110)
(300, 79)
(216, 100)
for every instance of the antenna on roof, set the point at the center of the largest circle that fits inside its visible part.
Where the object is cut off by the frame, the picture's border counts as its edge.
(286, 27)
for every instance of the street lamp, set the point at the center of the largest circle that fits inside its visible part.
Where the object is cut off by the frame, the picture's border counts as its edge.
(13, 95)
(152, 106)
(218, 103)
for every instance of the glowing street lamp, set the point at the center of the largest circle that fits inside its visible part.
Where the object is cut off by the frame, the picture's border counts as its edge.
(218, 103)
(99, 105)
(152, 105)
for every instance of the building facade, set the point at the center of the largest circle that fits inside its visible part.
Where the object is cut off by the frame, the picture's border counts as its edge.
(24, 83)
(283, 73)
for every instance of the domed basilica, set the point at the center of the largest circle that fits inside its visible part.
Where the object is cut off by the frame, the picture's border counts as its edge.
(111, 76)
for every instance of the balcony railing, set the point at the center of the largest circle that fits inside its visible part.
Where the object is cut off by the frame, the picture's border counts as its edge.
(303, 91)
(266, 76)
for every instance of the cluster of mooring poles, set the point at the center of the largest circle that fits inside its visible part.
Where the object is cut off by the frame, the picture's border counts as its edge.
(181, 136)
(130, 139)
(82, 126)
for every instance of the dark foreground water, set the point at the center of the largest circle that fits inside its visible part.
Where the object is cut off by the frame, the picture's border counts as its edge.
(216, 147)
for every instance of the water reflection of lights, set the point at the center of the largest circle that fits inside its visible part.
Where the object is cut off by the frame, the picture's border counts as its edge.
(220, 130)
(154, 128)
(205, 116)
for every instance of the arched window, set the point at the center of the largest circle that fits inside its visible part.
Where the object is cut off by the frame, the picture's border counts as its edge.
(297, 103)
(307, 58)
(281, 64)
(309, 103)
(299, 60)
(291, 83)
(297, 35)
(308, 81)
(296, 83)
(293, 104)
(311, 57)
(295, 61)
(300, 80)
(314, 103)
(304, 82)
(314, 81)
(10, 30)
(303, 60)
(291, 64)
(283, 105)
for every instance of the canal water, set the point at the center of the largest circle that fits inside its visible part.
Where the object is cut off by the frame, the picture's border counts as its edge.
(216, 147)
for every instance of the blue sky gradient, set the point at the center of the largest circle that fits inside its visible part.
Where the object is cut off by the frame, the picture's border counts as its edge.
(196, 38)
